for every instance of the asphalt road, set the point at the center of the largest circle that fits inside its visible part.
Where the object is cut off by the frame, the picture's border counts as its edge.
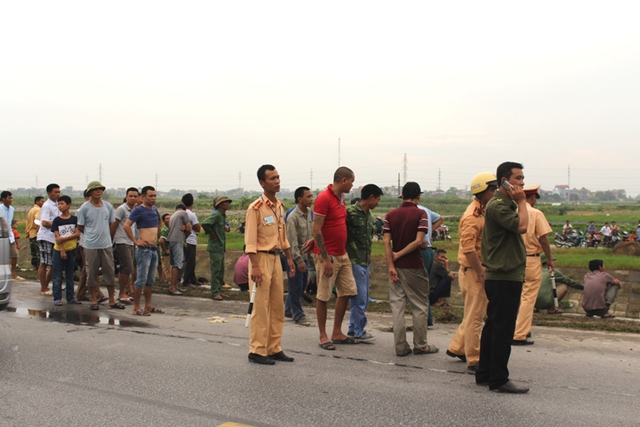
(68, 366)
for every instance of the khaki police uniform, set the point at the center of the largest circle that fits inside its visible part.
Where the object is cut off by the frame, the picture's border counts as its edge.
(466, 341)
(265, 235)
(538, 226)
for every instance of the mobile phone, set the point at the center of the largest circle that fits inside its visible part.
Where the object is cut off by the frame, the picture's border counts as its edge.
(507, 186)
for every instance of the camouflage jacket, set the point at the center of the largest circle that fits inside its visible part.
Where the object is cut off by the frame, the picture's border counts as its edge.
(360, 228)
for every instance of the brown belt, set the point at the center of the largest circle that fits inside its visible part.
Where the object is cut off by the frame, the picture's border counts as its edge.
(533, 255)
(271, 252)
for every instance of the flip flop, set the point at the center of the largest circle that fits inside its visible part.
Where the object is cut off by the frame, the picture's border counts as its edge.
(117, 306)
(57, 302)
(141, 312)
(556, 311)
(94, 307)
(347, 340)
(217, 298)
(126, 301)
(47, 293)
(608, 316)
(431, 349)
(327, 345)
(156, 310)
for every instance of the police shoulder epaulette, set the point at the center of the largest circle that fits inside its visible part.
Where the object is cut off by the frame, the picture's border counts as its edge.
(257, 205)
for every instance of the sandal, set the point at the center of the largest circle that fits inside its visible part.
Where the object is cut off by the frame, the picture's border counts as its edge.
(608, 316)
(156, 310)
(347, 340)
(327, 345)
(117, 306)
(431, 349)
(126, 301)
(217, 298)
(47, 292)
(94, 307)
(141, 312)
(57, 302)
(556, 311)
(74, 301)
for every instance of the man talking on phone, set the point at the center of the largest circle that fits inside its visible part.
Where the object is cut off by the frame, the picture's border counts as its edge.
(504, 257)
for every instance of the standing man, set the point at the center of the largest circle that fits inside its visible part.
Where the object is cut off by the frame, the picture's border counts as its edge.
(606, 233)
(465, 344)
(535, 242)
(330, 256)
(31, 230)
(46, 238)
(404, 229)
(299, 227)
(434, 220)
(359, 241)
(124, 249)
(8, 211)
(265, 236)
(94, 220)
(214, 226)
(179, 229)
(504, 257)
(189, 277)
(147, 220)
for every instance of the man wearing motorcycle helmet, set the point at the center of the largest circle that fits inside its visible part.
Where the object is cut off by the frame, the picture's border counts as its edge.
(535, 241)
(465, 344)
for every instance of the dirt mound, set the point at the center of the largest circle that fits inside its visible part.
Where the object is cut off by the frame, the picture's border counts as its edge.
(627, 248)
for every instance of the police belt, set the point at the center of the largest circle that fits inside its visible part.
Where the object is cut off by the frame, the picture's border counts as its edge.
(270, 252)
(533, 254)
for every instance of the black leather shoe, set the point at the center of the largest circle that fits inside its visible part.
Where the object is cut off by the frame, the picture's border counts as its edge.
(281, 357)
(510, 387)
(526, 341)
(261, 360)
(461, 357)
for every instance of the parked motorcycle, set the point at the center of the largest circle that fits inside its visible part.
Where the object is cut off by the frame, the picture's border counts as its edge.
(571, 240)
(441, 233)
(611, 241)
(593, 241)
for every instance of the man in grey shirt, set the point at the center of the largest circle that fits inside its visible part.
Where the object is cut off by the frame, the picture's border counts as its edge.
(124, 249)
(94, 220)
(179, 229)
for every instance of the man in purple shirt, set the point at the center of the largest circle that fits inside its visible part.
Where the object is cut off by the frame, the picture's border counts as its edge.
(404, 230)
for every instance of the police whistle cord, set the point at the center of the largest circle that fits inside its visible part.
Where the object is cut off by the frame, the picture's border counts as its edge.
(251, 301)
(552, 274)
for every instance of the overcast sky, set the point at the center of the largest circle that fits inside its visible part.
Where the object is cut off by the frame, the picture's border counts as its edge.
(201, 92)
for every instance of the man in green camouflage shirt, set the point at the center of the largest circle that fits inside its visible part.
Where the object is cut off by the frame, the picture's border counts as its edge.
(360, 226)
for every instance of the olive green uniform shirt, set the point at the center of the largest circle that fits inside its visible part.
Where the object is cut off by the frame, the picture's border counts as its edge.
(214, 227)
(502, 249)
(359, 234)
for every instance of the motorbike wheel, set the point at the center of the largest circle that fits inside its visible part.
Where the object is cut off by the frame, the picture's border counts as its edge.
(557, 243)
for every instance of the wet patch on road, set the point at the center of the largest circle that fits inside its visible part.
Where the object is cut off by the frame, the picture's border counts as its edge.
(75, 318)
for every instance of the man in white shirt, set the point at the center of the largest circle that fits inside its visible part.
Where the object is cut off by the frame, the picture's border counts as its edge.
(46, 238)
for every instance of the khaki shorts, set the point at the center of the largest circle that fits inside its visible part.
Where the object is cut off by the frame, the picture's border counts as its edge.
(342, 278)
(94, 259)
(125, 255)
(13, 251)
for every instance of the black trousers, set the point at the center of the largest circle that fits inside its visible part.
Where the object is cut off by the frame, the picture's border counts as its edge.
(189, 275)
(497, 334)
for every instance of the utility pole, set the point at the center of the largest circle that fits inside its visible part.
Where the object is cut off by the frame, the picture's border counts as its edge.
(439, 178)
(399, 191)
(405, 168)
(100, 173)
(239, 180)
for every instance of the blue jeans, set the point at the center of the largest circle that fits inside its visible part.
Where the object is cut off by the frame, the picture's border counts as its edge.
(293, 304)
(147, 263)
(427, 257)
(358, 303)
(68, 266)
